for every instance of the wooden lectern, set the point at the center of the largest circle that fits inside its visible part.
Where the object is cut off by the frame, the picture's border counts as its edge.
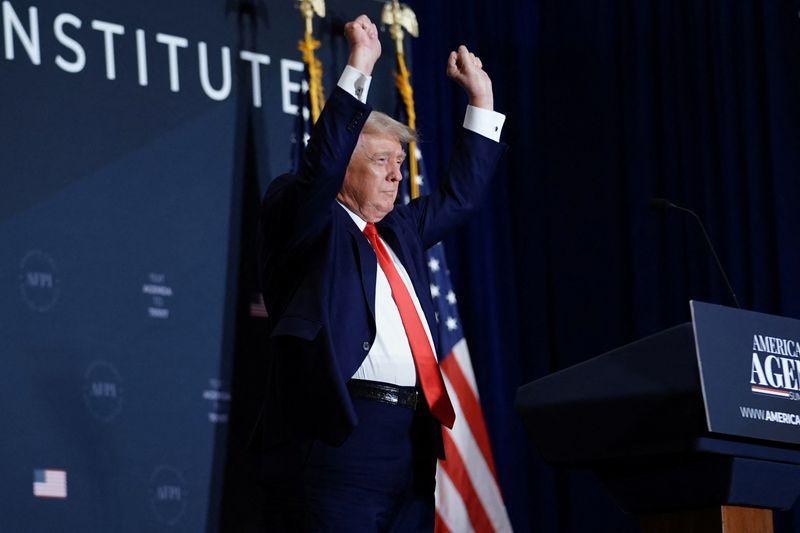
(694, 429)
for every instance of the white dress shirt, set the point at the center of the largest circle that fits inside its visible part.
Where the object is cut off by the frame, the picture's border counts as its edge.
(389, 358)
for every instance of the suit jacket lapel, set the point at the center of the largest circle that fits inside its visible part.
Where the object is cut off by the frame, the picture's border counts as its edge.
(366, 260)
(388, 233)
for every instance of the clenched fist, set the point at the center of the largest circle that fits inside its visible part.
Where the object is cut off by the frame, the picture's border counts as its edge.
(466, 69)
(365, 47)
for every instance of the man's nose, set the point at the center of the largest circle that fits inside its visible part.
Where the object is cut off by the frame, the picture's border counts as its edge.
(395, 171)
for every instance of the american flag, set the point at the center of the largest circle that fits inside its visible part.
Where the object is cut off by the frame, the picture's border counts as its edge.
(49, 483)
(468, 496)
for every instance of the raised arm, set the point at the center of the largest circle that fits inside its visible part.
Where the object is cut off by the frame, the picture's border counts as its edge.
(303, 202)
(297, 208)
(476, 153)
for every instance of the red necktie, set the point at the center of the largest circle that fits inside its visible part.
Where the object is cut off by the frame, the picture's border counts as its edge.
(430, 377)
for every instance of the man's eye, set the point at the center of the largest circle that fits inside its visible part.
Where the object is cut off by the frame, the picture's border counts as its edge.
(381, 159)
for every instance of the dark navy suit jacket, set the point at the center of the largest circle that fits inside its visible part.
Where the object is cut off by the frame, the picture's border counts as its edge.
(317, 270)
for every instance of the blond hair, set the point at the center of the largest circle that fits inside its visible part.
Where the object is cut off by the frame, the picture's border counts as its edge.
(382, 124)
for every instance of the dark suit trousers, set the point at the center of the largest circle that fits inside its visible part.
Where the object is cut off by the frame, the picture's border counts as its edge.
(380, 480)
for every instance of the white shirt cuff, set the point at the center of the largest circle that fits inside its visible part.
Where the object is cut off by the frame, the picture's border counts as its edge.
(484, 122)
(355, 82)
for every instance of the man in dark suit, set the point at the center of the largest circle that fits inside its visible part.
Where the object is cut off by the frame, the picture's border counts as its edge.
(355, 400)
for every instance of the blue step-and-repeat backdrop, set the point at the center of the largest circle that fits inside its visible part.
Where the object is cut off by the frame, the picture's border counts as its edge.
(128, 134)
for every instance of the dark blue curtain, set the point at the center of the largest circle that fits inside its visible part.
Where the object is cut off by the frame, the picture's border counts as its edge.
(610, 104)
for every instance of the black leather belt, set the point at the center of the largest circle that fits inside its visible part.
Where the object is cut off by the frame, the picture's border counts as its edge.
(407, 397)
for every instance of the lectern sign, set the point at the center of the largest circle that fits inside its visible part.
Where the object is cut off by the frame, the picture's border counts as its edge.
(750, 372)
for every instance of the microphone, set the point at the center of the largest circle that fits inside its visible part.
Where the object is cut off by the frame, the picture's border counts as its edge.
(663, 204)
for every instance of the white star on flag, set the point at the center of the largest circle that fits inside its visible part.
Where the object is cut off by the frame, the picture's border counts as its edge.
(434, 291)
(451, 323)
(433, 264)
(451, 297)
(419, 180)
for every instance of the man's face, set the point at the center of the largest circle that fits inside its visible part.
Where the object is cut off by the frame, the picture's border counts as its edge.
(373, 176)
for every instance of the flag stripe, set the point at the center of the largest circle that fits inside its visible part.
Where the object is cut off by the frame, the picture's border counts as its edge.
(481, 478)
(465, 362)
(51, 493)
(451, 514)
(470, 407)
(457, 471)
(440, 526)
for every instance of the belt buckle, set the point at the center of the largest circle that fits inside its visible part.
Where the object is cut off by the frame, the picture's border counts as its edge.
(391, 397)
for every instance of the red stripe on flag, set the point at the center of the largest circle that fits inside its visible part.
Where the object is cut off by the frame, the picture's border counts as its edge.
(470, 407)
(440, 526)
(457, 471)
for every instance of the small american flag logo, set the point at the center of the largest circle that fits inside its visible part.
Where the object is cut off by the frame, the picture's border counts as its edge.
(49, 483)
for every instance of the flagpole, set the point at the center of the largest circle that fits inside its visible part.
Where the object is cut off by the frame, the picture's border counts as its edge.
(307, 46)
(400, 18)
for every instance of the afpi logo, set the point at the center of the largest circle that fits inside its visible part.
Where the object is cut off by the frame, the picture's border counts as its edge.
(38, 281)
(168, 494)
(102, 390)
